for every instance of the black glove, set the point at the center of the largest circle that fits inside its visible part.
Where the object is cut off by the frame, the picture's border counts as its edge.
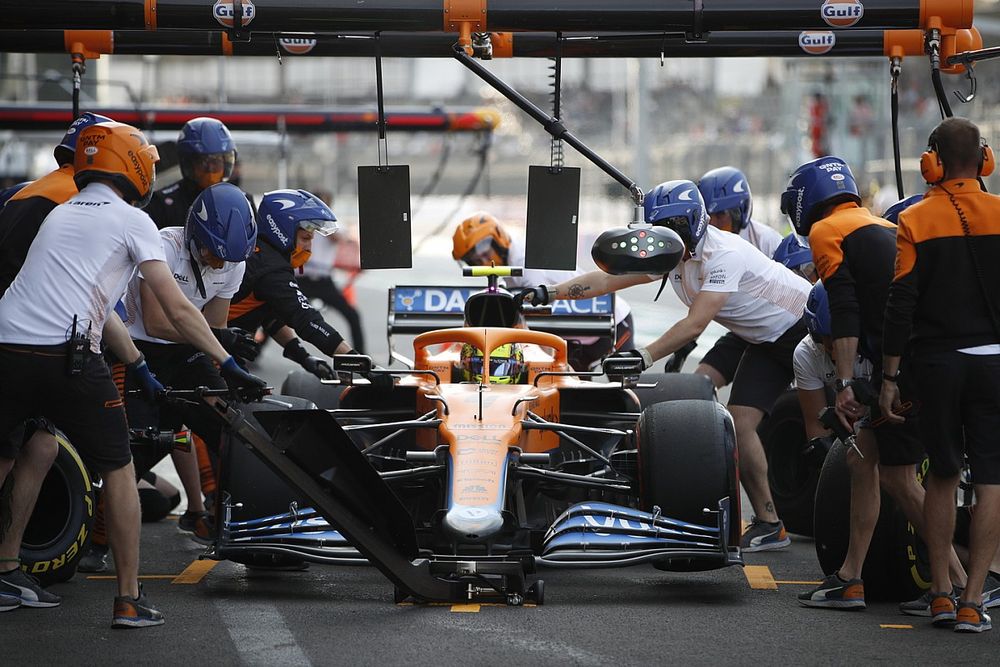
(631, 354)
(295, 351)
(380, 381)
(238, 342)
(816, 449)
(536, 296)
(249, 387)
(675, 362)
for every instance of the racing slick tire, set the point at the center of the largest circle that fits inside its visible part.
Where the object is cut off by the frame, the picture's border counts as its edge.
(791, 475)
(60, 523)
(306, 385)
(687, 462)
(673, 387)
(896, 565)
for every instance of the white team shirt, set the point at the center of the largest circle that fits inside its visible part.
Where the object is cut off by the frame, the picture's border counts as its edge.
(222, 283)
(763, 237)
(765, 297)
(533, 277)
(814, 369)
(85, 253)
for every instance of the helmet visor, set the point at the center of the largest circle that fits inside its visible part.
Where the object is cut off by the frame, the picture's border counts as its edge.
(480, 254)
(503, 370)
(321, 227)
(679, 224)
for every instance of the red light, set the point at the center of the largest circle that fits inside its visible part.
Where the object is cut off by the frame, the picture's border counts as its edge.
(642, 253)
(642, 235)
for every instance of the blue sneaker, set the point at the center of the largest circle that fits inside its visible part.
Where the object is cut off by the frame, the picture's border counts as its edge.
(972, 618)
(9, 602)
(835, 593)
(764, 536)
(991, 591)
(27, 589)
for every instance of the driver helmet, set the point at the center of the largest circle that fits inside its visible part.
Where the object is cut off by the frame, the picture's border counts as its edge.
(506, 364)
(480, 240)
(206, 152)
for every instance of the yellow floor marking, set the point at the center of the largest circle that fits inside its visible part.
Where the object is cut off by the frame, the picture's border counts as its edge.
(890, 626)
(799, 583)
(759, 577)
(195, 572)
(465, 608)
(109, 577)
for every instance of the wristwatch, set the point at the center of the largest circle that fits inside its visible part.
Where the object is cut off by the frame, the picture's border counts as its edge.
(840, 384)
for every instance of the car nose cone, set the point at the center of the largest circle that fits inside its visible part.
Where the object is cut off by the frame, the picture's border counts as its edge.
(473, 523)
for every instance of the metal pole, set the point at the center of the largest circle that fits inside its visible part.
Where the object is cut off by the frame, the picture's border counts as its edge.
(506, 15)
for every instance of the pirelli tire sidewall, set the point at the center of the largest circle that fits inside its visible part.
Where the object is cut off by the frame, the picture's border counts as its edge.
(61, 522)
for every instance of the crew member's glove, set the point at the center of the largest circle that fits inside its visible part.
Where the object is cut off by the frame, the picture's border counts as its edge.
(297, 352)
(151, 387)
(249, 386)
(816, 449)
(238, 342)
(536, 296)
(675, 362)
(380, 381)
(640, 353)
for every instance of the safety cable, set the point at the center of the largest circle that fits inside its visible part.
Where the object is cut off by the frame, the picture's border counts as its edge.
(934, 51)
(556, 153)
(895, 68)
(79, 67)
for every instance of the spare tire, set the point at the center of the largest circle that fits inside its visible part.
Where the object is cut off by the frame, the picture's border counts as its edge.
(60, 523)
(306, 385)
(791, 475)
(673, 387)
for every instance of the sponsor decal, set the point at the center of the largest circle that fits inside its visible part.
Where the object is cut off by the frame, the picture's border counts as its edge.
(837, 177)
(223, 12)
(276, 230)
(90, 150)
(181, 279)
(830, 167)
(451, 300)
(842, 13)
(203, 213)
(284, 203)
(297, 46)
(817, 42)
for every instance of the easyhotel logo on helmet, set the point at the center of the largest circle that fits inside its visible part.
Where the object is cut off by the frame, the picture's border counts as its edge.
(817, 42)
(842, 13)
(223, 12)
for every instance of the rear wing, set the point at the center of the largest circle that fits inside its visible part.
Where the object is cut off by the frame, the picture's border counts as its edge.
(416, 309)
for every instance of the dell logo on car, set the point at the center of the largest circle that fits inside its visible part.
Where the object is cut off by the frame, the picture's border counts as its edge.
(223, 12)
(817, 42)
(842, 13)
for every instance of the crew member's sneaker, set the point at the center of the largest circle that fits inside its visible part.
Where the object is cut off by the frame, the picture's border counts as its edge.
(836, 593)
(204, 529)
(135, 612)
(764, 536)
(971, 618)
(9, 602)
(25, 587)
(943, 609)
(94, 558)
(991, 590)
(188, 521)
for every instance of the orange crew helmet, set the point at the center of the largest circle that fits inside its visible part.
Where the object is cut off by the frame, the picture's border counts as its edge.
(480, 240)
(120, 154)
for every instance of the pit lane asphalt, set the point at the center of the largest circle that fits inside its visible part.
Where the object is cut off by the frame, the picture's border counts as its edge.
(328, 615)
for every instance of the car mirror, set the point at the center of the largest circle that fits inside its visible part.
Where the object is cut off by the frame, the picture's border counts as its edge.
(622, 369)
(352, 363)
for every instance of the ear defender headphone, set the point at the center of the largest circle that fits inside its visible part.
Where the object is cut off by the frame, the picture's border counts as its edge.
(932, 169)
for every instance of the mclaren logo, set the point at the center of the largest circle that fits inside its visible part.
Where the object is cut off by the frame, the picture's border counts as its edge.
(285, 204)
(203, 213)
(685, 196)
(223, 12)
(741, 186)
(276, 230)
(842, 13)
(817, 42)
(297, 46)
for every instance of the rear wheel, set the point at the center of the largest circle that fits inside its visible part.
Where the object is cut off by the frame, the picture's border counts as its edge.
(791, 475)
(60, 524)
(687, 463)
(306, 385)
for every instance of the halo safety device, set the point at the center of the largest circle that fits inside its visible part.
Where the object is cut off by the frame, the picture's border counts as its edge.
(791, 252)
(120, 154)
(892, 213)
(726, 189)
(479, 240)
(813, 187)
(69, 139)
(506, 364)
(817, 312)
(932, 168)
(678, 205)
(206, 151)
(282, 213)
(221, 221)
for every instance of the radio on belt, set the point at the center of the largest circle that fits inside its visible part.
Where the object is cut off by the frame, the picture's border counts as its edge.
(76, 349)
(639, 248)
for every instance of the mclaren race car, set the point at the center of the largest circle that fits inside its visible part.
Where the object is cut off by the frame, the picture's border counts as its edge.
(491, 458)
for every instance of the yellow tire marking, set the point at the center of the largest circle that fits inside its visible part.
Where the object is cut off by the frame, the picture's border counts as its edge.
(891, 626)
(109, 577)
(759, 577)
(798, 583)
(195, 572)
(465, 608)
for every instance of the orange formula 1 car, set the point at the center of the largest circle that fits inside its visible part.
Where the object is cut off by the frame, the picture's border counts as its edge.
(490, 459)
